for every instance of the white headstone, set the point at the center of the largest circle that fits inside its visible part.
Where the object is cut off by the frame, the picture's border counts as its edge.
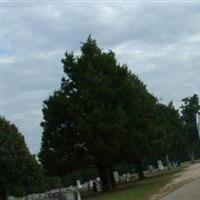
(78, 184)
(98, 184)
(69, 196)
(78, 196)
(116, 176)
(127, 177)
(123, 177)
(160, 165)
(91, 184)
(150, 168)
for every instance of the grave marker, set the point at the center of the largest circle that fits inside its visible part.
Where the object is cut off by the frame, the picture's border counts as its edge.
(160, 165)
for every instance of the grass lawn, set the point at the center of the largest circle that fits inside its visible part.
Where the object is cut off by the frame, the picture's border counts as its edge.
(139, 190)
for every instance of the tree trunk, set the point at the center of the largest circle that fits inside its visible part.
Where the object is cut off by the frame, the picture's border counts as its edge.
(192, 156)
(168, 162)
(114, 185)
(104, 174)
(3, 197)
(139, 168)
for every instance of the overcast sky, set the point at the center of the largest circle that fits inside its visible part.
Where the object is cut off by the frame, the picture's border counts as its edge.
(160, 42)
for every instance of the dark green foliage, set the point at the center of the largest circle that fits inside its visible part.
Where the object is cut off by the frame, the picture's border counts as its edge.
(19, 172)
(125, 167)
(171, 131)
(189, 109)
(102, 114)
(51, 183)
(95, 113)
(83, 175)
(85, 120)
(58, 150)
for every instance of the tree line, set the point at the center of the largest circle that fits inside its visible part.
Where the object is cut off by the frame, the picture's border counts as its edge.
(101, 116)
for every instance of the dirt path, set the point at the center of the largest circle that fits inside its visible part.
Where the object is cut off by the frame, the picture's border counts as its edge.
(189, 191)
(191, 173)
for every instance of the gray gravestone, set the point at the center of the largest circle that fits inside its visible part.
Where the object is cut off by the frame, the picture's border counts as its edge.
(127, 177)
(11, 198)
(98, 184)
(69, 196)
(150, 168)
(116, 176)
(160, 165)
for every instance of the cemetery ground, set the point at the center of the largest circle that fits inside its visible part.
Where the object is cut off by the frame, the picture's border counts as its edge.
(155, 186)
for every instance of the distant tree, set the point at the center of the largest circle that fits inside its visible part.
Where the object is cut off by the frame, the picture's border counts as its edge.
(19, 171)
(177, 147)
(189, 109)
(139, 135)
(171, 130)
(159, 133)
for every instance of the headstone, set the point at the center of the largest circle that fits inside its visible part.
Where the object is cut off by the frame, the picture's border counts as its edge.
(98, 184)
(78, 184)
(71, 188)
(69, 196)
(160, 165)
(11, 198)
(151, 168)
(127, 177)
(78, 195)
(134, 176)
(54, 196)
(116, 176)
(122, 177)
(90, 184)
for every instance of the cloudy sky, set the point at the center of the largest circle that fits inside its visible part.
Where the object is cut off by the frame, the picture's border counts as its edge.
(160, 41)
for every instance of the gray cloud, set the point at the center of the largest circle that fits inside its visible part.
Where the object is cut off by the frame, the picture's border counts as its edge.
(159, 42)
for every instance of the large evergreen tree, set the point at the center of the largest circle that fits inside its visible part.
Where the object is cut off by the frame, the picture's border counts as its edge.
(96, 113)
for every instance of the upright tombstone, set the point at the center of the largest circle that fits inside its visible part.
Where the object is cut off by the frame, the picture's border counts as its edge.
(98, 184)
(124, 177)
(78, 184)
(160, 165)
(30, 197)
(150, 168)
(90, 184)
(127, 177)
(78, 195)
(69, 195)
(116, 176)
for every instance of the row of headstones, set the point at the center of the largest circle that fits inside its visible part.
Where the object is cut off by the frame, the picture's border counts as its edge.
(96, 185)
(72, 192)
(125, 177)
(161, 166)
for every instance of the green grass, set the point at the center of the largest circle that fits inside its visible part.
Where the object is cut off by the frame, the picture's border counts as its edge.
(139, 190)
